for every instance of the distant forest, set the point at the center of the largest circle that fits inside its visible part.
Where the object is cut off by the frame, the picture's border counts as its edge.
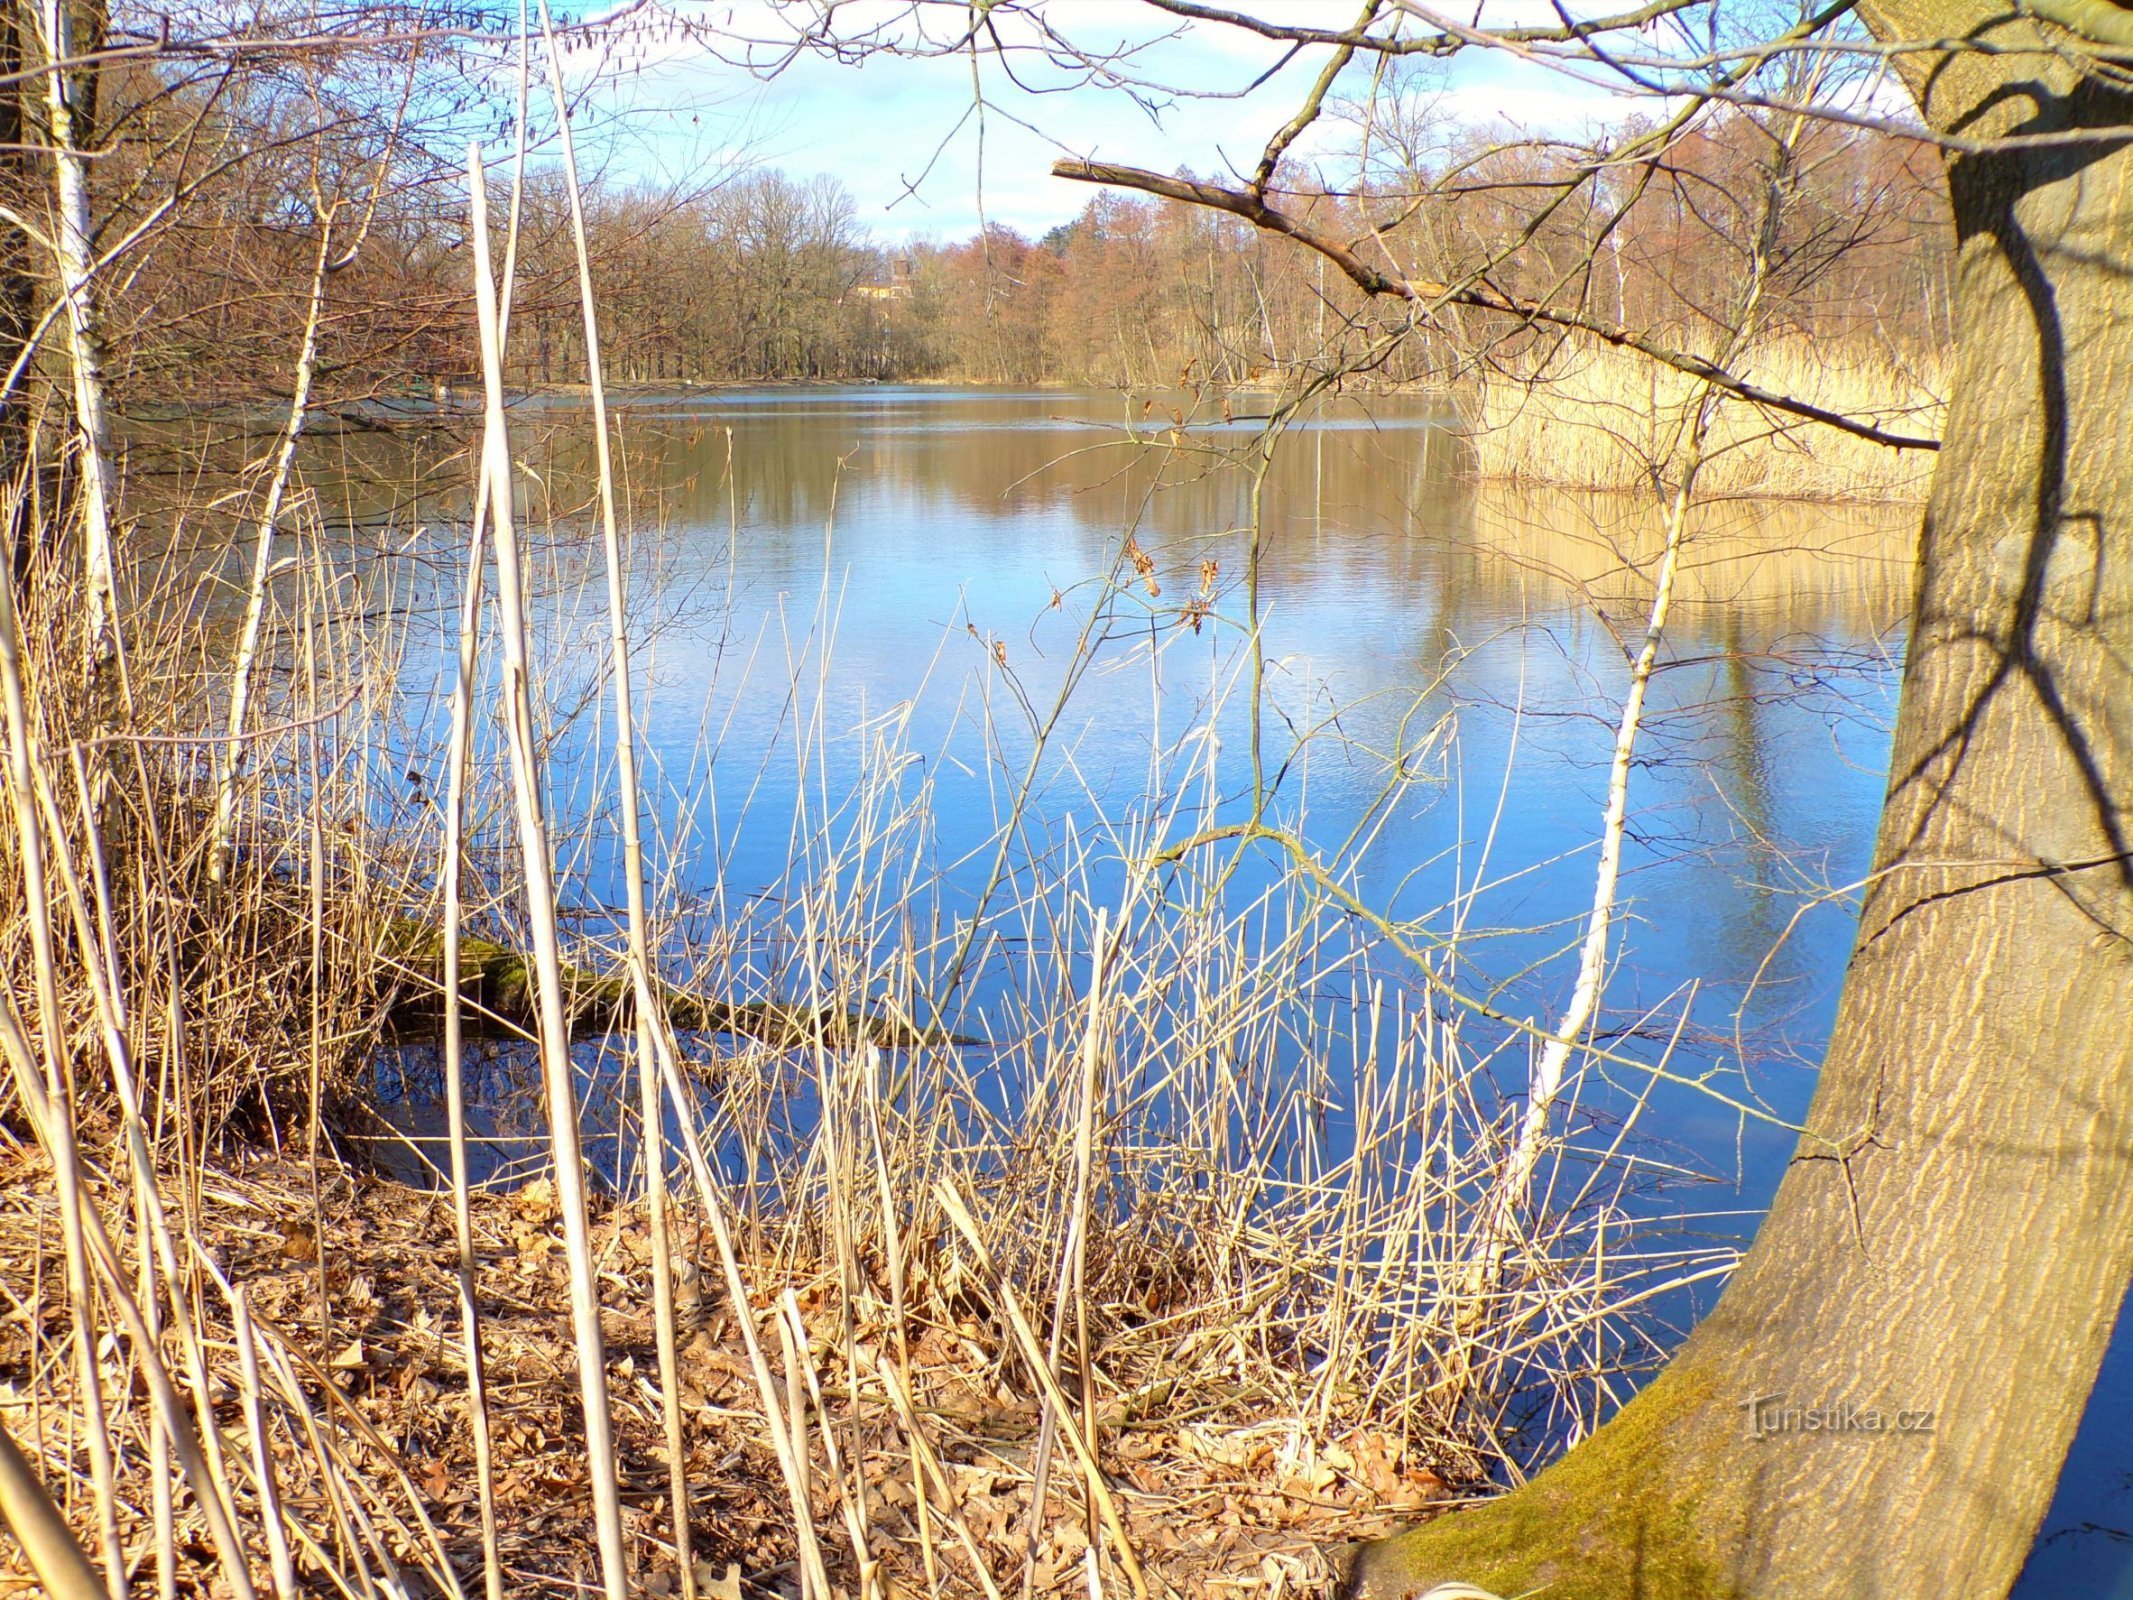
(756, 276)
(768, 278)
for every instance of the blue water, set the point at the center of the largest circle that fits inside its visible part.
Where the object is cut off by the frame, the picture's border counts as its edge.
(924, 563)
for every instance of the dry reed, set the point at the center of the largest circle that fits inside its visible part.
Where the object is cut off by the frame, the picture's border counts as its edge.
(1593, 416)
(1147, 1289)
(1238, 1362)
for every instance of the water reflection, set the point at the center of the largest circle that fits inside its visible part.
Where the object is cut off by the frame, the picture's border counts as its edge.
(840, 555)
(837, 556)
(1386, 579)
(833, 557)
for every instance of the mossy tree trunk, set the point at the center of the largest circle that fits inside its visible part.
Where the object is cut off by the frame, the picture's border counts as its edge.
(1955, 1234)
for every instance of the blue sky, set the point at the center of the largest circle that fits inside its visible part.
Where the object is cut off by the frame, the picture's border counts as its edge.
(900, 134)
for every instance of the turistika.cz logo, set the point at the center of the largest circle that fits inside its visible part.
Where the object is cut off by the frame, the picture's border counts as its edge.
(1769, 1417)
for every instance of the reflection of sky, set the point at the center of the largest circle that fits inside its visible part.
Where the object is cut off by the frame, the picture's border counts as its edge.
(950, 515)
(959, 519)
(1760, 772)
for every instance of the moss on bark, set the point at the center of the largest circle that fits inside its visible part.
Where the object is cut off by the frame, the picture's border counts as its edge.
(1624, 1514)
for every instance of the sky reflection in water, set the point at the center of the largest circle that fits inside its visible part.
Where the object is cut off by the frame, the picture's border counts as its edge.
(895, 545)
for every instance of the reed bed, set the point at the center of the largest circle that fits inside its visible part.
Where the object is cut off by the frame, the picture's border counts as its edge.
(1107, 1232)
(1189, 1215)
(1177, 1211)
(1595, 417)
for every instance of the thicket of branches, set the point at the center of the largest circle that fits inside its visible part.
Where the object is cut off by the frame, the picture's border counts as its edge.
(764, 277)
(218, 182)
(1139, 291)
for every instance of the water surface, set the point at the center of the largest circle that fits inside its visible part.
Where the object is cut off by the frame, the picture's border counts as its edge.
(826, 572)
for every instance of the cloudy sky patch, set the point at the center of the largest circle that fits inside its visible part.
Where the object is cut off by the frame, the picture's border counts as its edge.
(900, 128)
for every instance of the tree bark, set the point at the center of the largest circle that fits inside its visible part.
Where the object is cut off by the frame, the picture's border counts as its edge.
(1955, 1234)
(71, 93)
(18, 301)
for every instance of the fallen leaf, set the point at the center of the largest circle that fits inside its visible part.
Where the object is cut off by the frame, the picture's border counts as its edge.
(537, 1201)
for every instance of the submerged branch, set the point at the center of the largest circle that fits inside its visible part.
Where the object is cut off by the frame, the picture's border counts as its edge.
(497, 984)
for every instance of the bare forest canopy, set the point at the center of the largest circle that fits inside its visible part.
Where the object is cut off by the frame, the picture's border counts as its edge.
(744, 273)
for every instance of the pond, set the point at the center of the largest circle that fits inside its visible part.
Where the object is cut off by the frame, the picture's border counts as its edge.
(1043, 602)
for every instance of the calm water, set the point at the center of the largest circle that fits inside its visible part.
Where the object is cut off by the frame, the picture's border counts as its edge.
(833, 565)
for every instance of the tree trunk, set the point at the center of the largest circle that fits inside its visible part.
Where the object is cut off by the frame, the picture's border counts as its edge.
(71, 118)
(1954, 1237)
(18, 302)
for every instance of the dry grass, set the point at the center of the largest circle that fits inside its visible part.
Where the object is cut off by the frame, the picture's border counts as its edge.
(1242, 1301)
(1601, 418)
(1221, 1217)
(1159, 1286)
(1220, 1491)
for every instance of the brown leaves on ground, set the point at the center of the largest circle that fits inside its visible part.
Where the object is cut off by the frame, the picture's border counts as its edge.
(1215, 1500)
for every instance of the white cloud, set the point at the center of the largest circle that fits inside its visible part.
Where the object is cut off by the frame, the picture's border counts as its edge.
(889, 121)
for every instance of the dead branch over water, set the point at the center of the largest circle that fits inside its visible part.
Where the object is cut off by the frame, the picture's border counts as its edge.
(1085, 1246)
